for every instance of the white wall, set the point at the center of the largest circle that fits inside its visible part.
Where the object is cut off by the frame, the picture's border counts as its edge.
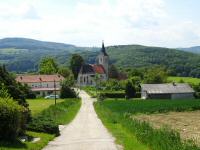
(44, 85)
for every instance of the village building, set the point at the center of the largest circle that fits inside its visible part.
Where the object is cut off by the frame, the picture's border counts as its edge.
(167, 91)
(42, 85)
(89, 72)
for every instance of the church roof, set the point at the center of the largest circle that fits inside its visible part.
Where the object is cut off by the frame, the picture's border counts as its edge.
(103, 50)
(98, 69)
(87, 68)
(92, 69)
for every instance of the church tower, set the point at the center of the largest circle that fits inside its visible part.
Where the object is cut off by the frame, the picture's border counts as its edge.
(103, 59)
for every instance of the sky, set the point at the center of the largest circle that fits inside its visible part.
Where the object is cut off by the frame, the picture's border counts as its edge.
(164, 23)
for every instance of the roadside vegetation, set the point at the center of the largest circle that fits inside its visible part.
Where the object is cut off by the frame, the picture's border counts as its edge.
(118, 115)
(29, 123)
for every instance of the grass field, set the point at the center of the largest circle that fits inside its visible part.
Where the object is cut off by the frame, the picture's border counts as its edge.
(37, 105)
(189, 80)
(117, 116)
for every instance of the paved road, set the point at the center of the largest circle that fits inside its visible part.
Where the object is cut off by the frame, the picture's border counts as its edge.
(85, 132)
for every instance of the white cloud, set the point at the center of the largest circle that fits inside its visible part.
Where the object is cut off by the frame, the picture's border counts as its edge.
(86, 24)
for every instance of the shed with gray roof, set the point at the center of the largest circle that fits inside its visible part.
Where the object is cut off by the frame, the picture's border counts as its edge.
(167, 91)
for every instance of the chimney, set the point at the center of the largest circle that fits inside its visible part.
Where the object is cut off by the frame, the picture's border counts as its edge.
(21, 77)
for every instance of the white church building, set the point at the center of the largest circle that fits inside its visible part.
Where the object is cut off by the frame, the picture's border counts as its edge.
(89, 72)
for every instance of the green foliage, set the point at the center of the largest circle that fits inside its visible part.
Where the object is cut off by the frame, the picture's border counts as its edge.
(155, 75)
(130, 91)
(113, 85)
(4, 92)
(16, 90)
(11, 118)
(75, 64)
(48, 66)
(48, 120)
(119, 113)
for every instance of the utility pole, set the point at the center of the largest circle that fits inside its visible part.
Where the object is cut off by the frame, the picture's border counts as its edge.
(55, 91)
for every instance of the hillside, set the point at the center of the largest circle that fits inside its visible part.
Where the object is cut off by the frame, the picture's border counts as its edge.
(22, 55)
(195, 49)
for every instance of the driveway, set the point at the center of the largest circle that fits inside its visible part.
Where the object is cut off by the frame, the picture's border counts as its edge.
(85, 132)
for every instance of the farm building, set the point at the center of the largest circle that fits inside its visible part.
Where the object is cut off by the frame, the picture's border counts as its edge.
(167, 91)
(42, 84)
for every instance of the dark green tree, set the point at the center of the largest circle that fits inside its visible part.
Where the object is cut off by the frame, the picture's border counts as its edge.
(48, 66)
(75, 64)
(130, 91)
(66, 90)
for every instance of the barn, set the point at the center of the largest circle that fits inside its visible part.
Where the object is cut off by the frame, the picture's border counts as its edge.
(167, 91)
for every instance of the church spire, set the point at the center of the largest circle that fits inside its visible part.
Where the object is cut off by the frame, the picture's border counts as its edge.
(103, 50)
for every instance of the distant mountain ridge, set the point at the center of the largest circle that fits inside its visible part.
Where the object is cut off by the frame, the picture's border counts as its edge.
(22, 55)
(31, 44)
(195, 49)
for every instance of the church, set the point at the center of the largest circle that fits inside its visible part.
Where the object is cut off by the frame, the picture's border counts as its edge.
(88, 72)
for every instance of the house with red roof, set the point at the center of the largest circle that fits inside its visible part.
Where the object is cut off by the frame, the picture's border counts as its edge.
(42, 84)
(89, 72)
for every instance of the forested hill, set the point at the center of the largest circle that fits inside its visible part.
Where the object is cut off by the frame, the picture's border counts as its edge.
(23, 55)
(179, 62)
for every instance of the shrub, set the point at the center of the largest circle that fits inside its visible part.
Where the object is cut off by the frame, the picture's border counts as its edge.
(11, 119)
(67, 92)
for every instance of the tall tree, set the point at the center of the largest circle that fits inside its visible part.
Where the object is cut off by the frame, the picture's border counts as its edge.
(48, 66)
(113, 72)
(75, 64)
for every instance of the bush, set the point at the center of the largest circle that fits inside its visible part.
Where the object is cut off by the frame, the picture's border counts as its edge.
(11, 119)
(43, 123)
(67, 92)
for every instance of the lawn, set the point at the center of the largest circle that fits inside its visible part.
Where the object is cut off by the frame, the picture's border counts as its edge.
(189, 80)
(37, 105)
(117, 116)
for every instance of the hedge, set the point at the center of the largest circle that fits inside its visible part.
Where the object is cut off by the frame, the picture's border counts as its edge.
(11, 119)
(116, 94)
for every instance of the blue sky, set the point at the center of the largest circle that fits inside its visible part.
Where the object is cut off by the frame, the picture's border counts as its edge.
(168, 23)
